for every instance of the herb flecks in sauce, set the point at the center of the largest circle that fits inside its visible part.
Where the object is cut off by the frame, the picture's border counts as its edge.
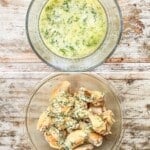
(73, 28)
(75, 118)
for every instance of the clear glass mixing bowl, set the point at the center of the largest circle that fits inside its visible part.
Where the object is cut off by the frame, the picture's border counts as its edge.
(98, 57)
(40, 100)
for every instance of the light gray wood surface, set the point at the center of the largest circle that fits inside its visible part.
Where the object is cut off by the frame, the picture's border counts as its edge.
(128, 69)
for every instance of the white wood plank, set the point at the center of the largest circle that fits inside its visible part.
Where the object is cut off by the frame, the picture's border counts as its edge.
(134, 46)
(14, 136)
(106, 67)
(128, 76)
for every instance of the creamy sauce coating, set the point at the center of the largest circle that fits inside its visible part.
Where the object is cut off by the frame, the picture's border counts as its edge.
(73, 28)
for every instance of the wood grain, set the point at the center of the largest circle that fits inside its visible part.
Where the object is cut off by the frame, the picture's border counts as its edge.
(128, 70)
(136, 135)
(134, 46)
(18, 87)
(106, 67)
(18, 91)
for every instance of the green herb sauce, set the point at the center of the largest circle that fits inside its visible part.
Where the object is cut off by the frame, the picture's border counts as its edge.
(73, 28)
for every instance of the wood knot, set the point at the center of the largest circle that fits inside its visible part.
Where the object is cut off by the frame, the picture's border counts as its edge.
(130, 81)
(148, 108)
(4, 3)
(132, 22)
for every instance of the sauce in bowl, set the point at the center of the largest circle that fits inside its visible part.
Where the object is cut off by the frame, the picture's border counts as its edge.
(73, 28)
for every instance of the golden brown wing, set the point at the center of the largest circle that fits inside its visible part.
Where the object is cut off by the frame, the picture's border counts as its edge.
(62, 87)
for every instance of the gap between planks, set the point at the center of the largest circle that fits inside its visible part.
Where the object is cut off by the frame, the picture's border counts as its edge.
(124, 75)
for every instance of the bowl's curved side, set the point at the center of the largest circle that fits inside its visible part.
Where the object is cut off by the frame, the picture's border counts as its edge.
(121, 105)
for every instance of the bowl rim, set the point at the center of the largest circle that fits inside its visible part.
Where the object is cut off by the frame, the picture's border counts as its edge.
(77, 70)
(94, 75)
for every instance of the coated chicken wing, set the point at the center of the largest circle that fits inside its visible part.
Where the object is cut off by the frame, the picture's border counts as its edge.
(95, 139)
(62, 87)
(43, 122)
(55, 137)
(108, 116)
(98, 124)
(96, 110)
(75, 139)
(85, 147)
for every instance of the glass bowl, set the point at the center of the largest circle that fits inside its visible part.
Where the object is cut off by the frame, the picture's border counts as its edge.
(109, 44)
(40, 100)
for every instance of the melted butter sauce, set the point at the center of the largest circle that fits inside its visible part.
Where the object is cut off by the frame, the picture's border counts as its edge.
(73, 28)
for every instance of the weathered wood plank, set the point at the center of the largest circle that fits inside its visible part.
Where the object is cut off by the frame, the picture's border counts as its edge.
(42, 67)
(15, 94)
(14, 136)
(128, 76)
(134, 46)
(21, 69)
(136, 135)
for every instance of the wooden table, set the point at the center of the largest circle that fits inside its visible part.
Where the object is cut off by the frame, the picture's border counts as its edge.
(128, 69)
